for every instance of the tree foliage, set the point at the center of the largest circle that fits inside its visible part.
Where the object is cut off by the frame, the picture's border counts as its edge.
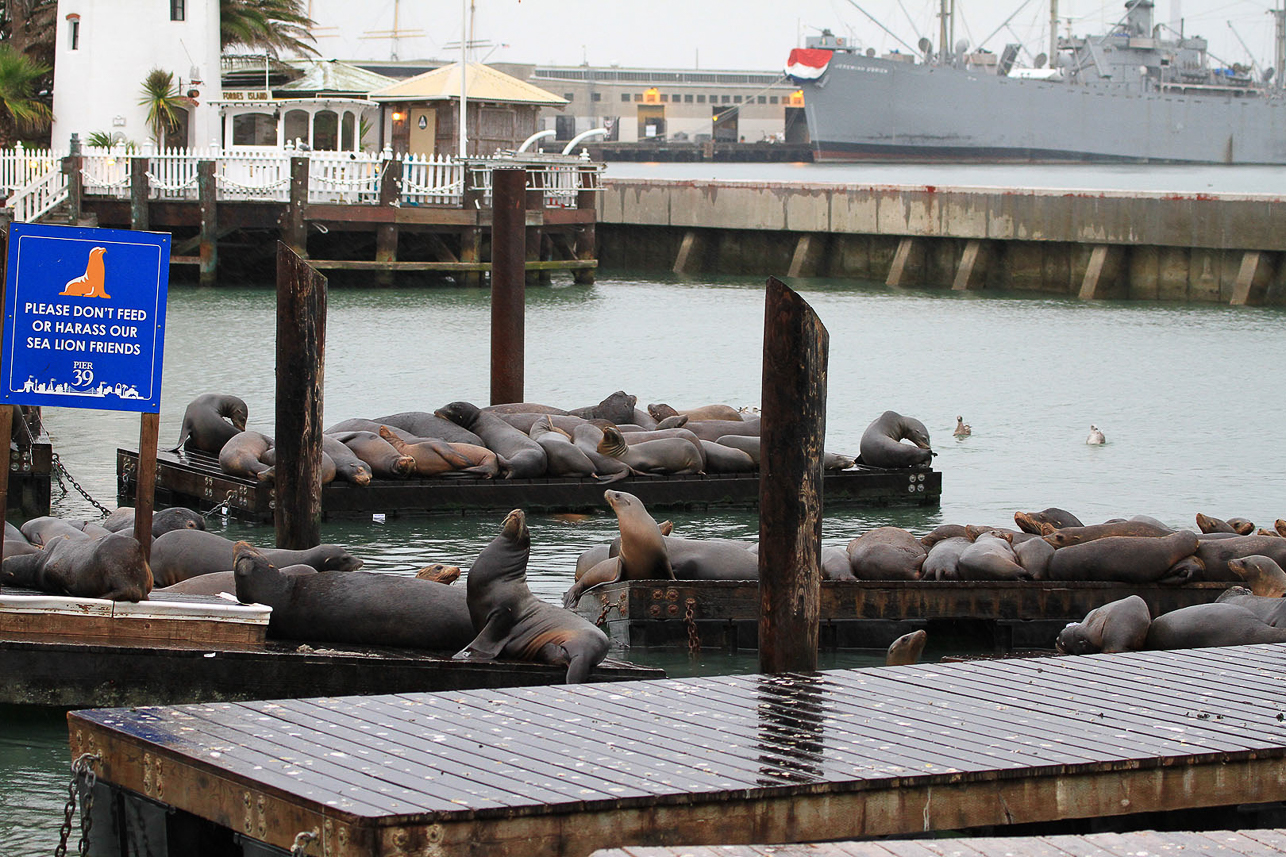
(163, 101)
(271, 26)
(20, 108)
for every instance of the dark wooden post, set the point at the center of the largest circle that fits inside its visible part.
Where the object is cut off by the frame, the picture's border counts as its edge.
(586, 243)
(138, 194)
(6, 412)
(792, 432)
(386, 233)
(508, 283)
(72, 166)
(301, 360)
(149, 428)
(206, 187)
(294, 229)
(471, 236)
(536, 232)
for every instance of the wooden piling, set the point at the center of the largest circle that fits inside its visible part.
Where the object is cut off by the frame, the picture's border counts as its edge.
(586, 239)
(688, 250)
(793, 429)
(471, 236)
(301, 358)
(1095, 273)
(901, 262)
(206, 193)
(536, 238)
(1252, 278)
(73, 165)
(138, 195)
(386, 233)
(294, 229)
(508, 283)
(972, 262)
(145, 493)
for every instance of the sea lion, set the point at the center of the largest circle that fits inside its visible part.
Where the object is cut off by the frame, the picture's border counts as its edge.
(210, 421)
(163, 520)
(181, 554)
(439, 573)
(524, 408)
(1129, 559)
(328, 469)
(886, 553)
(835, 564)
(348, 466)
(1121, 626)
(423, 424)
(990, 557)
(1280, 526)
(715, 429)
(379, 455)
(525, 457)
(222, 581)
(712, 559)
(1207, 625)
(676, 421)
(587, 437)
(358, 608)
(1034, 554)
(1269, 608)
(666, 455)
(435, 457)
(44, 529)
(906, 650)
(240, 455)
(1068, 536)
(645, 435)
(1215, 554)
(511, 622)
(881, 444)
(941, 532)
(524, 422)
(663, 411)
(1264, 576)
(641, 555)
(1034, 522)
(562, 457)
(15, 543)
(725, 459)
(616, 408)
(1210, 524)
(942, 562)
(749, 444)
(111, 567)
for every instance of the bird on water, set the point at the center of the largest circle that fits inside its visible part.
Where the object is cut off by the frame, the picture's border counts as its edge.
(963, 429)
(1096, 437)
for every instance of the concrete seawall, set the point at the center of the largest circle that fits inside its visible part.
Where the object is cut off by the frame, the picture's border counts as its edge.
(1141, 246)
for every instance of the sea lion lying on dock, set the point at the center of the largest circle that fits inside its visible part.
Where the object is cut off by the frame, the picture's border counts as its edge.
(181, 554)
(110, 567)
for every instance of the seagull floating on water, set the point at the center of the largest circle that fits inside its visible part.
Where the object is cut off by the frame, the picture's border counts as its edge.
(963, 429)
(1096, 436)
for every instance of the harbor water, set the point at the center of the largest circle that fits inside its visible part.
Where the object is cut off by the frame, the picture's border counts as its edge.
(1191, 399)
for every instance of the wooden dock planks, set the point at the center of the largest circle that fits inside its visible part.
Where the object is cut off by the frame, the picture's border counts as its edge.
(724, 760)
(196, 480)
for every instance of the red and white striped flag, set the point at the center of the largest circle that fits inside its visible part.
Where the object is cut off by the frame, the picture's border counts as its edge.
(807, 63)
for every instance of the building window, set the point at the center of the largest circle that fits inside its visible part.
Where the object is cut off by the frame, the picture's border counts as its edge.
(701, 99)
(625, 96)
(727, 99)
(665, 96)
(570, 96)
(736, 99)
(687, 99)
(177, 10)
(762, 99)
(596, 96)
(772, 99)
(638, 96)
(73, 33)
(254, 129)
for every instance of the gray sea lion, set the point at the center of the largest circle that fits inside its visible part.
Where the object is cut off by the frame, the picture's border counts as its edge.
(641, 554)
(1121, 626)
(881, 444)
(1129, 559)
(15, 543)
(725, 459)
(1034, 554)
(587, 437)
(1095, 437)
(422, 424)
(111, 567)
(1068, 536)
(328, 469)
(524, 408)
(1207, 625)
(1262, 574)
(712, 559)
(942, 562)
(348, 466)
(1210, 524)
(906, 650)
(1033, 522)
(524, 422)
(240, 455)
(990, 557)
(944, 531)
(715, 429)
(358, 608)
(439, 572)
(210, 421)
(704, 412)
(562, 457)
(181, 554)
(666, 455)
(222, 581)
(44, 529)
(379, 455)
(835, 564)
(525, 458)
(616, 408)
(886, 553)
(1270, 609)
(510, 622)
(1214, 554)
(645, 435)
(676, 421)
(163, 520)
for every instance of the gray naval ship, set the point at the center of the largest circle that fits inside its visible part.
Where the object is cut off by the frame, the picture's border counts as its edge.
(1140, 93)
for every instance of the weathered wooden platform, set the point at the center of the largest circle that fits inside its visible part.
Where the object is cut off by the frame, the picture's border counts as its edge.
(727, 760)
(1265, 842)
(196, 481)
(1006, 615)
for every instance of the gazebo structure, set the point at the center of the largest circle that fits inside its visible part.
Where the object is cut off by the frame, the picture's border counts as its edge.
(421, 114)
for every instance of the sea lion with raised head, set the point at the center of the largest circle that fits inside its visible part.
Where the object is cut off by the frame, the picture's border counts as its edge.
(510, 622)
(587, 437)
(163, 520)
(526, 458)
(357, 608)
(1262, 574)
(1035, 522)
(1211, 524)
(666, 455)
(439, 572)
(112, 567)
(210, 421)
(181, 554)
(906, 650)
(1068, 536)
(882, 446)
(663, 411)
(1214, 555)
(1121, 626)
(641, 555)
(616, 408)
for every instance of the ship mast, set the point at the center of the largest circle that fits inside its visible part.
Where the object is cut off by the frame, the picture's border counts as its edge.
(1279, 45)
(946, 29)
(1053, 35)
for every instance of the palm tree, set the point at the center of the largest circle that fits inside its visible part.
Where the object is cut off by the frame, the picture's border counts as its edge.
(266, 25)
(163, 102)
(20, 110)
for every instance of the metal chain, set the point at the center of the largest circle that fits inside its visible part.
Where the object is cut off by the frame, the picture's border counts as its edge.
(60, 470)
(689, 619)
(300, 846)
(221, 509)
(82, 771)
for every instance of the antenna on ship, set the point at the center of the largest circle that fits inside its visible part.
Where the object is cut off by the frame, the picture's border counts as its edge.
(1279, 44)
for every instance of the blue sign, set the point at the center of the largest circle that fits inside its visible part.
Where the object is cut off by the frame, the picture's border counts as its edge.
(84, 318)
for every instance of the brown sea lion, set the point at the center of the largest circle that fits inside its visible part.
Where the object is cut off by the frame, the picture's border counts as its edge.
(240, 455)
(222, 581)
(210, 421)
(1034, 554)
(44, 529)
(1262, 574)
(436, 457)
(660, 412)
(715, 429)
(587, 437)
(524, 422)
(357, 608)
(1034, 522)
(641, 555)
(881, 444)
(181, 554)
(439, 573)
(667, 455)
(1208, 625)
(379, 455)
(111, 567)
(906, 650)
(886, 553)
(163, 520)
(562, 457)
(510, 622)
(524, 408)
(1280, 526)
(1214, 554)
(835, 564)
(943, 531)
(1068, 536)
(1129, 559)
(1210, 524)
(1121, 626)
(526, 458)
(616, 408)
(645, 435)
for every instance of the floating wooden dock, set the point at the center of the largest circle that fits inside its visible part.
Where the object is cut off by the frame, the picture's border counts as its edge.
(730, 760)
(195, 480)
(1006, 615)
(174, 649)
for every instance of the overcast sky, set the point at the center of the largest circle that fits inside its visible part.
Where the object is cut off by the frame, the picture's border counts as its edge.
(734, 34)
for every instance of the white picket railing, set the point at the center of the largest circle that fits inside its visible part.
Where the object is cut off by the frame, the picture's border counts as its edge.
(31, 178)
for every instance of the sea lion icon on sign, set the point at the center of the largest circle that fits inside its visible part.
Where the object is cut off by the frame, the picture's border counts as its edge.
(90, 284)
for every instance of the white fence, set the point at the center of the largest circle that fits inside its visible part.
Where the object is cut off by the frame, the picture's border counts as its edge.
(34, 184)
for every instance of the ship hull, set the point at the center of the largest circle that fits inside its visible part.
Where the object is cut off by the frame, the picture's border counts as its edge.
(864, 108)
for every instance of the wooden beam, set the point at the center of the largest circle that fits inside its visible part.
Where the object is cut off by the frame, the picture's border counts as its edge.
(386, 233)
(972, 267)
(149, 426)
(510, 242)
(688, 249)
(901, 260)
(808, 253)
(294, 224)
(585, 245)
(138, 194)
(1252, 278)
(1096, 272)
(208, 197)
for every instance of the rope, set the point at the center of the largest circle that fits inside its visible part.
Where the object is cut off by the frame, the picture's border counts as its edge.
(371, 183)
(280, 183)
(91, 181)
(157, 184)
(408, 186)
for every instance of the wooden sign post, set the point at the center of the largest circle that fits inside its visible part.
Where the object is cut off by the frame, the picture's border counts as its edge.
(792, 431)
(508, 283)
